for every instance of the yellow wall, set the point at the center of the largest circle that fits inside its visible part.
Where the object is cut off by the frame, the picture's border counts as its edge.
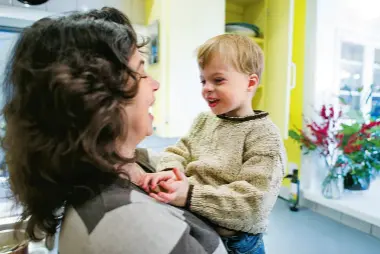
(296, 100)
(148, 10)
(234, 12)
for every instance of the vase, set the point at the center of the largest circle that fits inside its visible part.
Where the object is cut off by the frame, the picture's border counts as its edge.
(332, 186)
(356, 183)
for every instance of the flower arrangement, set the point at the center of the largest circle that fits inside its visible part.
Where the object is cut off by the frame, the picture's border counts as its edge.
(360, 157)
(321, 136)
(347, 149)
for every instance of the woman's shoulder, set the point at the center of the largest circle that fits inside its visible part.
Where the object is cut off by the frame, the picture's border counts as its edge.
(124, 220)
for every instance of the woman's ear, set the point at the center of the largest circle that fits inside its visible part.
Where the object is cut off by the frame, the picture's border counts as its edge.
(253, 82)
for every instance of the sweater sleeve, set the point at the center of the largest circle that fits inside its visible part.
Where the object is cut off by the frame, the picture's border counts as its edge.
(245, 204)
(179, 155)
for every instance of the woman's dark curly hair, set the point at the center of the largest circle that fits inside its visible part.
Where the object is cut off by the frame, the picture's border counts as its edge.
(66, 84)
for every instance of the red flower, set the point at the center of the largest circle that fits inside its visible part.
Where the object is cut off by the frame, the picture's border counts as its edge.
(332, 113)
(352, 145)
(366, 127)
(321, 134)
(325, 129)
(323, 112)
(370, 125)
(339, 137)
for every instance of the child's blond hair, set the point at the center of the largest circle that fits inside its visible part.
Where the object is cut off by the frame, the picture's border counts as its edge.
(240, 51)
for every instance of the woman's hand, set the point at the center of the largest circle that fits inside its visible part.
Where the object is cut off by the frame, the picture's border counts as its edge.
(176, 191)
(150, 180)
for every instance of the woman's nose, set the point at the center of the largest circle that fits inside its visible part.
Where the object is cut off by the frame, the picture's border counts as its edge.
(155, 85)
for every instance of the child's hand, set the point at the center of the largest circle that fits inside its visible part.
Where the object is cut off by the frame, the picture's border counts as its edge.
(150, 180)
(175, 191)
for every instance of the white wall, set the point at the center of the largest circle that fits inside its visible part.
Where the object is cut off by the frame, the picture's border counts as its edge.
(310, 56)
(190, 25)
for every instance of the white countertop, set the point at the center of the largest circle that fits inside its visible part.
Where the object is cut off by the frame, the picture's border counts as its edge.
(364, 205)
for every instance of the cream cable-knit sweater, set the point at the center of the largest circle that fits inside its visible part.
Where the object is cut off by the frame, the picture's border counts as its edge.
(236, 167)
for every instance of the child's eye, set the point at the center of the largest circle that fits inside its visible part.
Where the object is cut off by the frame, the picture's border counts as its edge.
(219, 80)
(203, 82)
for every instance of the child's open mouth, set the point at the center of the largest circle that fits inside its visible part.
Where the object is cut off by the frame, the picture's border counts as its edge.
(212, 102)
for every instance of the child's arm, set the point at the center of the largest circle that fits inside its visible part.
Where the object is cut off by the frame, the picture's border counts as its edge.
(176, 156)
(244, 205)
(179, 155)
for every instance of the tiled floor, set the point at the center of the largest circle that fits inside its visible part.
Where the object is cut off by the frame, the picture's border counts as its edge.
(306, 232)
(303, 232)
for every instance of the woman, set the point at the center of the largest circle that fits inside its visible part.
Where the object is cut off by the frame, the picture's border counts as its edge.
(77, 105)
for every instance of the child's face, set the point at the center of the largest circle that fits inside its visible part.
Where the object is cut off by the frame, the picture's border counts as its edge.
(226, 90)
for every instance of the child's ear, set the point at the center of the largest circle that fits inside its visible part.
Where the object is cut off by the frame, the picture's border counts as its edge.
(253, 82)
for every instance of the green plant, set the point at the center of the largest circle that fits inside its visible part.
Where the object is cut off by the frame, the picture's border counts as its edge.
(359, 141)
(360, 148)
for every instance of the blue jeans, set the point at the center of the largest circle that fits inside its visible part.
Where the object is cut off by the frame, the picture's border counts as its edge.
(244, 244)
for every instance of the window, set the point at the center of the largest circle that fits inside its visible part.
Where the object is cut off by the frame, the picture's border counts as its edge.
(351, 69)
(375, 89)
(7, 39)
(359, 77)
